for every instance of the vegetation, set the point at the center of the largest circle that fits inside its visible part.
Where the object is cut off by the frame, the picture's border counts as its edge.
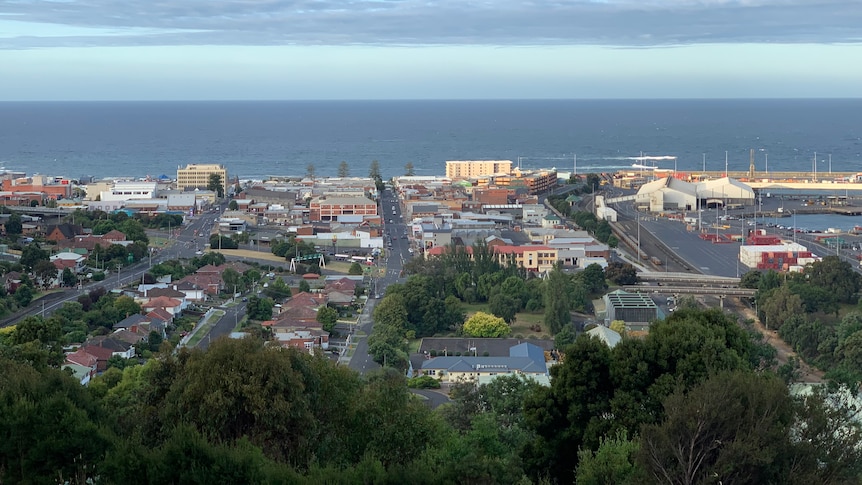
(243, 412)
(805, 309)
(481, 324)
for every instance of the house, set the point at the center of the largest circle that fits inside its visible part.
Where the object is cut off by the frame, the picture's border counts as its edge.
(84, 360)
(191, 291)
(101, 354)
(170, 305)
(171, 293)
(344, 285)
(11, 281)
(606, 335)
(302, 338)
(524, 358)
(117, 347)
(66, 259)
(81, 373)
(338, 298)
(62, 232)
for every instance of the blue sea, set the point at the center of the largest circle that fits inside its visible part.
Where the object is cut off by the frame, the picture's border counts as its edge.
(261, 138)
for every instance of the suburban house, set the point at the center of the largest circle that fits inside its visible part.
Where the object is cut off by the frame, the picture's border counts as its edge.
(302, 338)
(524, 358)
(170, 305)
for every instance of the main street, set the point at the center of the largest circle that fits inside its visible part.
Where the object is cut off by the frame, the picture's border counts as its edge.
(398, 249)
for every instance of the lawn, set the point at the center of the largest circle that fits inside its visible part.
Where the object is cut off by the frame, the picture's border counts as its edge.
(205, 328)
(523, 320)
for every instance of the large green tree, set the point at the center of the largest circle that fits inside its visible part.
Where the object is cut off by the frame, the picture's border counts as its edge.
(216, 184)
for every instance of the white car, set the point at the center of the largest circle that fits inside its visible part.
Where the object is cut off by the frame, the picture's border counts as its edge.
(199, 252)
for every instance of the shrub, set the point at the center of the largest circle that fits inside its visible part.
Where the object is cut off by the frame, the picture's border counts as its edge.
(486, 354)
(433, 353)
(423, 382)
(98, 276)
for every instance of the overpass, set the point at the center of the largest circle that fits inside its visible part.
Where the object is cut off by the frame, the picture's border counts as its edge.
(690, 290)
(662, 277)
(57, 211)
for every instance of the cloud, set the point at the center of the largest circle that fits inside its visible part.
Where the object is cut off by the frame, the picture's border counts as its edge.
(623, 23)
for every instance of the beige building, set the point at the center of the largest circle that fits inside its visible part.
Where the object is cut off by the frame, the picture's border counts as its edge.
(198, 176)
(476, 168)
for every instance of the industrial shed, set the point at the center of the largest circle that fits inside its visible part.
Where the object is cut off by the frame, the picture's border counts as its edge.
(673, 194)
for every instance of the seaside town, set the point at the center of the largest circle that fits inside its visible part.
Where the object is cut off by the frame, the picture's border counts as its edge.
(485, 272)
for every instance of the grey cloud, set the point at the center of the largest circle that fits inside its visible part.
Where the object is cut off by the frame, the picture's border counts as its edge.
(622, 23)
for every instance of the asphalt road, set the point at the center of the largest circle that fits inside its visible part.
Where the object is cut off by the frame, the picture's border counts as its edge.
(394, 258)
(185, 246)
(224, 326)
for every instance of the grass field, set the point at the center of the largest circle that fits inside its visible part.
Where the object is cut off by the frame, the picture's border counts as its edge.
(523, 320)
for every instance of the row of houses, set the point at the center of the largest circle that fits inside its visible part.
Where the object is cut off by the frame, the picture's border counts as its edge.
(295, 324)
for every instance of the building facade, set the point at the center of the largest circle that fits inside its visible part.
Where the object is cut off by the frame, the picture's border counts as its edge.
(197, 176)
(460, 169)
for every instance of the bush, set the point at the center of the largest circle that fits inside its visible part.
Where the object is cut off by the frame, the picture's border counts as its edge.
(98, 276)
(457, 354)
(423, 382)
(486, 354)
(433, 353)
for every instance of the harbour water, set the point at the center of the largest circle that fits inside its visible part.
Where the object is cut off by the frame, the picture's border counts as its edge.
(256, 139)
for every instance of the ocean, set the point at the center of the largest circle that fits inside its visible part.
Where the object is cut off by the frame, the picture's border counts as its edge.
(255, 139)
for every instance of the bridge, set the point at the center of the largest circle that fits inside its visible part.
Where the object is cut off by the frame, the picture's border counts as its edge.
(700, 279)
(59, 211)
(690, 290)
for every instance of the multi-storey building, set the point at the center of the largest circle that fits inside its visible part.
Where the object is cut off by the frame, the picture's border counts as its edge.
(330, 208)
(197, 176)
(461, 169)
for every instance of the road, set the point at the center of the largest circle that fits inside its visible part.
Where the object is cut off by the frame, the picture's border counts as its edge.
(184, 245)
(225, 325)
(398, 243)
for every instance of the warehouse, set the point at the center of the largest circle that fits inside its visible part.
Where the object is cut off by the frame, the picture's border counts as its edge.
(671, 194)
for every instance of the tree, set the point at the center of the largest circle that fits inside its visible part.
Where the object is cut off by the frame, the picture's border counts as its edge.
(233, 205)
(259, 308)
(388, 347)
(409, 171)
(572, 413)
(733, 428)
(69, 278)
(304, 287)
(355, 269)
(327, 317)
(835, 276)
(778, 305)
(127, 306)
(504, 307)
(343, 169)
(618, 326)
(558, 289)
(216, 184)
(13, 225)
(621, 273)
(391, 311)
(45, 272)
(593, 277)
(612, 464)
(31, 255)
(482, 324)
(750, 279)
(565, 337)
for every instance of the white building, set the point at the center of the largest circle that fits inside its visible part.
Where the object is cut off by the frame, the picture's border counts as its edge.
(123, 191)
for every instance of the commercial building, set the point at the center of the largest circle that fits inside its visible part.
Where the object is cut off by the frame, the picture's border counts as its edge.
(637, 310)
(332, 208)
(197, 176)
(461, 169)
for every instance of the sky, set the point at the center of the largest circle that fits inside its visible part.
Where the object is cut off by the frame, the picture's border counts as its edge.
(429, 49)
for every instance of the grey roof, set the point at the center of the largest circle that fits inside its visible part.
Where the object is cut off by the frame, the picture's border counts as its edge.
(485, 364)
(524, 357)
(606, 335)
(498, 347)
(131, 320)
